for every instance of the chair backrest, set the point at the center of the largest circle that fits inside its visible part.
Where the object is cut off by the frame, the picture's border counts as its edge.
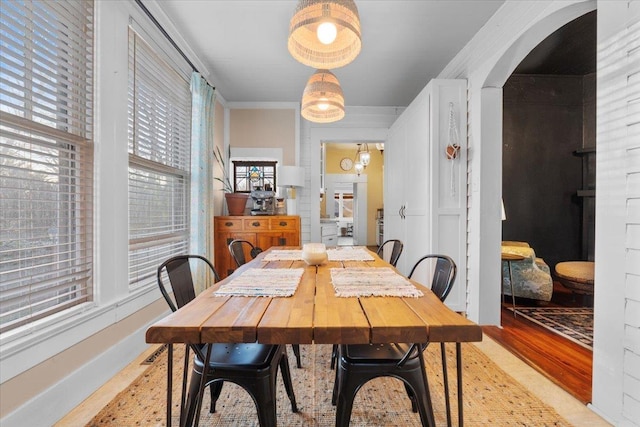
(396, 250)
(178, 270)
(238, 249)
(444, 274)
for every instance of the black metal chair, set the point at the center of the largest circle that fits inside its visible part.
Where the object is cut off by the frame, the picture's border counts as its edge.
(238, 249)
(396, 251)
(358, 364)
(252, 366)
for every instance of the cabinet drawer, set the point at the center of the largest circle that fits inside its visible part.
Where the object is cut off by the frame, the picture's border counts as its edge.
(225, 224)
(256, 224)
(330, 240)
(284, 224)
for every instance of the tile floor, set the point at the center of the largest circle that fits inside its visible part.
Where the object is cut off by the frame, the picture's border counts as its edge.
(567, 406)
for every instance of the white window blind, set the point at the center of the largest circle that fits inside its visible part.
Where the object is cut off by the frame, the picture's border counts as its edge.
(46, 158)
(159, 159)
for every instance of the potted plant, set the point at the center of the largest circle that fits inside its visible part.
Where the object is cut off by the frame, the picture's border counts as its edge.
(236, 202)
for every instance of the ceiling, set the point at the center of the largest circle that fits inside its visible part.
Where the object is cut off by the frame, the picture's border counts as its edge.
(243, 46)
(570, 50)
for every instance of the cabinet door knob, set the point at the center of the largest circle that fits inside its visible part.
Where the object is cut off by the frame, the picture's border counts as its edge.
(283, 223)
(228, 224)
(255, 224)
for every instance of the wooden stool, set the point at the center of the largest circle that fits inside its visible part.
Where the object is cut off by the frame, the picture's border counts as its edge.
(576, 276)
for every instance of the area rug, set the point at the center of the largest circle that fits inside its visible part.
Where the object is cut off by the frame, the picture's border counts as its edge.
(491, 397)
(573, 323)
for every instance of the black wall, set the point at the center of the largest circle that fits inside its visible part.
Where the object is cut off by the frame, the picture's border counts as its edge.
(546, 119)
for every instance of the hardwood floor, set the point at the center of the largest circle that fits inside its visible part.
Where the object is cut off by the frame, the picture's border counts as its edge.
(564, 362)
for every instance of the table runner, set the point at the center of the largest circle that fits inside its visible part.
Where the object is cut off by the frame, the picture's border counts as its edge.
(263, 282)
(344, 253)
(364, 281)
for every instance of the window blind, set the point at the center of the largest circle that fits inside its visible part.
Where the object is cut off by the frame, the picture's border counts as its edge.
(46, 158)
(159, 160)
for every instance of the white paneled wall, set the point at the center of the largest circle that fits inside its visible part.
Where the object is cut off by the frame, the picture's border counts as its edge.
(616, 357)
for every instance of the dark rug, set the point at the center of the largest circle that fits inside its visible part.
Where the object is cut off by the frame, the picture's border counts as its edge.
(573, 323)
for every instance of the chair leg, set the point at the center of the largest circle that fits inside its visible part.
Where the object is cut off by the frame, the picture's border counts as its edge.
(215, 389)
(189, 409)
(425, 407)
(265, 401)
(296, 351)
(412, 397)
(334, 356)
(345, 399)
(288, 384)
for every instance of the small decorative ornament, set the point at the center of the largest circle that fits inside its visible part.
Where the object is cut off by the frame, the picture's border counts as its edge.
(346, 164)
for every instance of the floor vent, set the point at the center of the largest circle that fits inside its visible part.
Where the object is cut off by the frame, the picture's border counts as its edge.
(153, 356)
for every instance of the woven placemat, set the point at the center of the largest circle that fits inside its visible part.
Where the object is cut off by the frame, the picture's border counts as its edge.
(491, 397)
(263, 282)
(371, 282)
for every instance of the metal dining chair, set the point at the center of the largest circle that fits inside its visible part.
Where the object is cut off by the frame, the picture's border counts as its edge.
(396, 251)
(238, 249)
(394, 255)
(360, 363)
(252, 366)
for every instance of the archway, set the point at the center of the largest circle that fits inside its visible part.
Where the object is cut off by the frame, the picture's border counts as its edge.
(485, 229)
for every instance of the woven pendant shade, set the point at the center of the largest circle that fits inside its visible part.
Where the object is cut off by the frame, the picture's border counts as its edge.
(322, 100)
(304, 44)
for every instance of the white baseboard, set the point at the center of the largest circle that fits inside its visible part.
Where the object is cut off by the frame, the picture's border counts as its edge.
(54, 403)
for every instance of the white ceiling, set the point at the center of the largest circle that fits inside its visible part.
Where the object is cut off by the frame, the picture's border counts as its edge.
(243, 46)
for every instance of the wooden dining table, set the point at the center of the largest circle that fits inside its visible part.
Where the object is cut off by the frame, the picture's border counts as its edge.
(313, 314)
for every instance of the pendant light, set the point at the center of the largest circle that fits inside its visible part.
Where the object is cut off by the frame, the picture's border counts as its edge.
(322, 100)
(325, 34)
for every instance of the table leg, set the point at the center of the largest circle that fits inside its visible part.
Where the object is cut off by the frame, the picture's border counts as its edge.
(203, 381)
(513, 296)
(445, 380)
(169, 381)
(459, 373)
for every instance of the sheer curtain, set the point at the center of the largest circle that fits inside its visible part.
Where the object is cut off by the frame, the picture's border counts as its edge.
(202, 120)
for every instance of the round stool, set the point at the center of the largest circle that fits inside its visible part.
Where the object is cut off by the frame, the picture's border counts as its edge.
(576, 276)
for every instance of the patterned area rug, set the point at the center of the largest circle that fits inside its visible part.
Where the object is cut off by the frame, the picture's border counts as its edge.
(573, 323)
(491, 396)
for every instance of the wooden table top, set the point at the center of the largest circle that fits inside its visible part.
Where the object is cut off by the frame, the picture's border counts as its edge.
(314, 314)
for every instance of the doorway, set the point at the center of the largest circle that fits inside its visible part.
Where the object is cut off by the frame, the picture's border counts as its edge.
(351, 199)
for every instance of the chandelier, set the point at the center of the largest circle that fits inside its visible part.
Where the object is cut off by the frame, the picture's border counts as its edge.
(322, 99)
(363, 158)
(325, 34)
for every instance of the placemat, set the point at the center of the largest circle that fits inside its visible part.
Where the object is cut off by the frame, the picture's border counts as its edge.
(349, 253)
(284, 255)
(263, 282)
(364, 282)
(343, 253)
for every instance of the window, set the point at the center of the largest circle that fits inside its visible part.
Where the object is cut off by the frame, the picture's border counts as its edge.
(251, 175)
(159, 159)
(46, 158)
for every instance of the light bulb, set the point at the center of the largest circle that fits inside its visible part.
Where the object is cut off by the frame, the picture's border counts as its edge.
(359, 168)
(327, 32)
(323, 104)
(365, 158)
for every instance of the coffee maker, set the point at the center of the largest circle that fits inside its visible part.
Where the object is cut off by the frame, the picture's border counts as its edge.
(263, 201)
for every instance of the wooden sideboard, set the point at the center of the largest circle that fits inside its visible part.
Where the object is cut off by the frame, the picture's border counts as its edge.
(262, 231)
